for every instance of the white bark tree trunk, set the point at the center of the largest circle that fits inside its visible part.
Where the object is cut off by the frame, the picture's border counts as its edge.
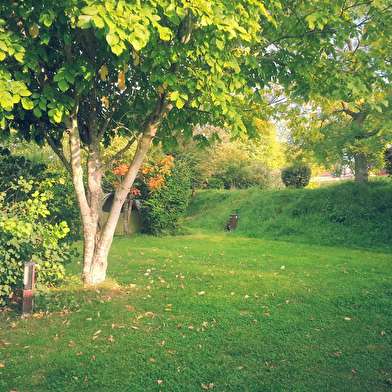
(98, 266)
(98, 237)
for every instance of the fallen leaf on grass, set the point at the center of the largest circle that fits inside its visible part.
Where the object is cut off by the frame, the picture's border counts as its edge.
(159, 382)
(383, 332)
(210, 385)
(336, 352)
(240, 367)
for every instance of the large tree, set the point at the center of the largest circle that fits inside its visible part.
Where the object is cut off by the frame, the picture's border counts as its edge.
(341, 135)
(348, 90)
(78, 72)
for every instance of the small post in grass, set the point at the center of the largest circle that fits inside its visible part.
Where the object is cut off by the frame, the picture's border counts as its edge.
(233, 221)
(28, 287)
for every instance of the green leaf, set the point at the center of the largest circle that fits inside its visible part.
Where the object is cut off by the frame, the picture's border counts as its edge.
(37, 111)
(112, 39)
(174, 95)
(164, 33)
(98, 21)
(180, 103)
(84, 21)
(19, 57)
(15, 98)
(90, 10)
(27, 104)
(117, 49)
(63, 85)
(46, 19)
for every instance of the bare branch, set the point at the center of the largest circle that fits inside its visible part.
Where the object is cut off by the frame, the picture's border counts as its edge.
(58, 152)
(119, 153)
(114, 107)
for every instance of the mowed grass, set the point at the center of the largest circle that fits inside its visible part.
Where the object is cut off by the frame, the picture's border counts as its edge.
(212, 311)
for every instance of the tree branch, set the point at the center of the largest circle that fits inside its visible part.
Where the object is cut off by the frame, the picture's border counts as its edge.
(58, 152)
(113, 109)
(119, 153)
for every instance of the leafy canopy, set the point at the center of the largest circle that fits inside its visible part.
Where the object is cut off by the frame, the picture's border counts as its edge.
(117, 59)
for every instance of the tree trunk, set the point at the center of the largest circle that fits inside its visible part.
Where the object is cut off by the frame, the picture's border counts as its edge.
(99, 262)
(361, 169)
(98, 237)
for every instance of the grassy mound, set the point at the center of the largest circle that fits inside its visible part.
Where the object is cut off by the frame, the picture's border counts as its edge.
(343, 214)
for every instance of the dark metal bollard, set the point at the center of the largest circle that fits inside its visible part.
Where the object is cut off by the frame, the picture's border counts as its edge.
(28, 287)
(233, 221)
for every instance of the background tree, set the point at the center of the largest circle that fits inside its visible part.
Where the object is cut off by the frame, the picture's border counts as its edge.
(346, 135)
(348, 87)
(235, 163)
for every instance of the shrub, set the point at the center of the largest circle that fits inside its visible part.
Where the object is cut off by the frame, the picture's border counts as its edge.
(296, 176)
(216, 183)
(63, 204)
(163, 209)
(25, 235)
(56, 184)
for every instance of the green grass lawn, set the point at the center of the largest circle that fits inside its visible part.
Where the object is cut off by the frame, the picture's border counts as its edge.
(210, 311)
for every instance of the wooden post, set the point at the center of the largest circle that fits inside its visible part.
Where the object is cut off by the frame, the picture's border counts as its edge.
(28, 287)
(233, 221)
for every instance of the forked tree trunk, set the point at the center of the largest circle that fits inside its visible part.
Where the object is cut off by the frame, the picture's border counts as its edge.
(103, 242)
(97, 237)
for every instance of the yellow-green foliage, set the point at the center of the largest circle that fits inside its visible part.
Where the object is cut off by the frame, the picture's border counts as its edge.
(25, 235)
